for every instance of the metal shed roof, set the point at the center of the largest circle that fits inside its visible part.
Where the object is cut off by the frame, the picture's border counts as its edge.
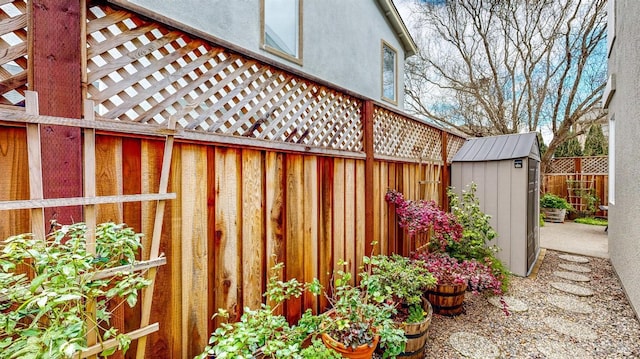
(496, 148)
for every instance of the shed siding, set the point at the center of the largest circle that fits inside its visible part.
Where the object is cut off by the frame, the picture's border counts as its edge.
(504, 212)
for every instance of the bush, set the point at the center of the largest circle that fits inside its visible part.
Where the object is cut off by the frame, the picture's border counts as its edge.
(550, 200)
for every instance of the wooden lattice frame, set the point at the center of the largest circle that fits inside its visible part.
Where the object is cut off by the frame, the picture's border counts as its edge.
(454, 143)
(142, 71)
(563, 165)
(595, 165)
(401, 137)
(13, 51)
(37, 204)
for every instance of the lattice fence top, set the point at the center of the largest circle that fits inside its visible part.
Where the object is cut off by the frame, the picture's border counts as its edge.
(142, 71)
(13, 51)
(595, 165)
(591, 165)
(454, 143)
(398, 136)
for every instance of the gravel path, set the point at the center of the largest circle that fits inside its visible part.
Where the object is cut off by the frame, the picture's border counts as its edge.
(554, 324)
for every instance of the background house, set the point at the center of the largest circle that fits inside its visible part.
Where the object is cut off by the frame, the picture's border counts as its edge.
(353, 44)
(621, 99)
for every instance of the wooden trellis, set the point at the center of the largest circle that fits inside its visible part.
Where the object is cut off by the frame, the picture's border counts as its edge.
(37, 204)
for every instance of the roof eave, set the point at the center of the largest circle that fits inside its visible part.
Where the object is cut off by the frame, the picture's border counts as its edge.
(400, 29)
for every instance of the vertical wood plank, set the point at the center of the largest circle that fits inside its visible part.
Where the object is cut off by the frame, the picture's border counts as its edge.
(338, 213)
(445, 175)
(36, 186)
(384, 210)
(194, 250)
(378, 196)
(15, 164)
(369, 196)
(228, 225)
(132, 216)
(55, 65)
(326, 226)
(350, 217)
(294, 267)
(253, 234)
(362, 242)
(310, 216)
(275, 212)
(391, 218)
(211, 242)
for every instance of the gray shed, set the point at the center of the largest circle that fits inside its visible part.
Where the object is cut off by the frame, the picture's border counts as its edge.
(507, 171)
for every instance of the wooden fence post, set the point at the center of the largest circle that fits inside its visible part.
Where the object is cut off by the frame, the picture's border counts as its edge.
(444, 179)
(367, 121)
(55, 72)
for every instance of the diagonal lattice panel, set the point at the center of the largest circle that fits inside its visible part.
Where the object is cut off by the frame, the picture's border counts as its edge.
(142, 71)
(13, 51)
(595, 165)
(563, 165)
(398, 136)
(454, 143)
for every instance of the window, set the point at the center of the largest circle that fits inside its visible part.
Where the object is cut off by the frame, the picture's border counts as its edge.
(389, 73)
(282, 28)
(612, 160)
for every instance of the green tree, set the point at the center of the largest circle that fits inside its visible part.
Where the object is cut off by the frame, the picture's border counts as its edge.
(596, 143)
(543, 146)
(570, 148)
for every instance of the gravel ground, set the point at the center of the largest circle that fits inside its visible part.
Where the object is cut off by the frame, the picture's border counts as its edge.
(604, 327)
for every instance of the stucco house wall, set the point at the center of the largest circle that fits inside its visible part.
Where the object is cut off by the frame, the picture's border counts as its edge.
(342, 40)
(621, 99)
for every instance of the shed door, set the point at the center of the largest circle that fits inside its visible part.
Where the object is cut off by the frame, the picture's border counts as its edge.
(532, 217)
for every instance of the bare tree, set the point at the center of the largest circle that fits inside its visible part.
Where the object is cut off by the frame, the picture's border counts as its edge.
(490, 67)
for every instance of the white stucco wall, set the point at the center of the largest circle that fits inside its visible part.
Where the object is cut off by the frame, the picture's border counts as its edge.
(624, 212)
(341, 39)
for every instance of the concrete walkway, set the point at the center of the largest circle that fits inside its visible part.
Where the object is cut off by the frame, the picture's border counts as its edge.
(575, 238)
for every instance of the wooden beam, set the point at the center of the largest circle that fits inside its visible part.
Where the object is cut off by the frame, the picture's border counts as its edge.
(129, 268)
(107, 344)
(445, 174)
(35, 166)
(367, 121)
(55, 66)
(84, 201)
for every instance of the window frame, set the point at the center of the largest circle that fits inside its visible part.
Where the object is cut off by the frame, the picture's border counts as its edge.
(395, 73)
(272, 50)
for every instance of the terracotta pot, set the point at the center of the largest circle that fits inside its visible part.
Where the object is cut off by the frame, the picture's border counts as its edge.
(416, 334)
(364, 351)
(447, 299)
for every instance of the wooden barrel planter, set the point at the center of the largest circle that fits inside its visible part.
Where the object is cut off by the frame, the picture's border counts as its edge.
(447, 299)
(416, 334)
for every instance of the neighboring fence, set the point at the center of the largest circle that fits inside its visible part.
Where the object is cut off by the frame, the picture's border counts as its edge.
(268, 166)
(576, 178)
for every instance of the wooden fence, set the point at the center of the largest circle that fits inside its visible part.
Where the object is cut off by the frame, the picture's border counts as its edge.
(268, 165)
(573, 178)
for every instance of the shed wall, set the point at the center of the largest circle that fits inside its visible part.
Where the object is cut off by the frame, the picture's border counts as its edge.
(502, 192)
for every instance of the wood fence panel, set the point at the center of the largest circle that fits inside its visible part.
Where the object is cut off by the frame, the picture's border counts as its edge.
(228, 224)
(325, 247)
(275, 212)
(132, 216)
(295, 198)
(361, 241)
(311, 228)
(338, 213)
(253, 234)
(350, 217)
(108, 152)
(193, 239)
(14, 183)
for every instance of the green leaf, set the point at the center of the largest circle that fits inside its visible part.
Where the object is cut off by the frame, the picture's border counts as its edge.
(37, 282)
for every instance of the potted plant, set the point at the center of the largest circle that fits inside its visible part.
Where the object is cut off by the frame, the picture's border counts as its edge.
(360, 319)
(261, 333)
(454, 277)
(45, 284)
(554, 208)
(402, 282)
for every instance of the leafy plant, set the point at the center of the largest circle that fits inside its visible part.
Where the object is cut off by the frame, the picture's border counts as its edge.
(416, 314)
(359, 312)
(400, 280)
(476, 235)
(46, 283)
(424, 217)
(550, 200)
(448, 270)
(263, 330)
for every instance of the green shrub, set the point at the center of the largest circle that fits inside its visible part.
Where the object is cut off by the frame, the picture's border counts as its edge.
(550, 200)
(592, 221)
